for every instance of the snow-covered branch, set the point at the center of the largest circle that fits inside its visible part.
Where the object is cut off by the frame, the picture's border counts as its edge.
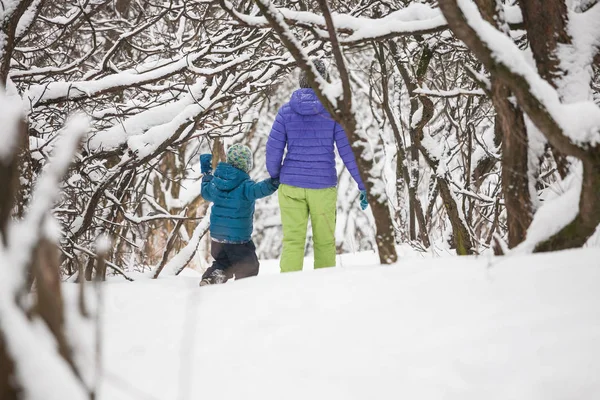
(60, 91)
(450, 93)
(537, 97)
(185, 255)
(415, 19)
(573, 128)
(35, 344)
(47, 189)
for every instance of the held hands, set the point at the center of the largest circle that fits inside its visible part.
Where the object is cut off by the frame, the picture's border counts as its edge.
(206, 163)
(363, 200)
(274, 182)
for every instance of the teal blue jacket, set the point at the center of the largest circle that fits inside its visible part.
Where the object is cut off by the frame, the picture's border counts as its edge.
(233, 194)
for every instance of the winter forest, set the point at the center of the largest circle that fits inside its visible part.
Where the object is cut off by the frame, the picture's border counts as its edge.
(475, 126)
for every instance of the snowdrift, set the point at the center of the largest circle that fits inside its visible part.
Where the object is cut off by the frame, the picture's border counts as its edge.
(525, 327)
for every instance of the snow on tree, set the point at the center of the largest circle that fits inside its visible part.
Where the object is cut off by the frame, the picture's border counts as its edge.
(475, 124)
(36, 357)
(452, 162)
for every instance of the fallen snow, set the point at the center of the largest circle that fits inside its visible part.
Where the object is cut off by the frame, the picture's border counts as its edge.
(522, 327)
(42, 371)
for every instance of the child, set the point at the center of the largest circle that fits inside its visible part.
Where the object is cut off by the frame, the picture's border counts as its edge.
(233, 194)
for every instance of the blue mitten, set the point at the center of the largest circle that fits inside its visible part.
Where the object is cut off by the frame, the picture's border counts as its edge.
(206, 163)
(363, 200)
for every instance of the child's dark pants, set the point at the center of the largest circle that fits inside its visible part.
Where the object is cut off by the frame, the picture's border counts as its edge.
(234, 259)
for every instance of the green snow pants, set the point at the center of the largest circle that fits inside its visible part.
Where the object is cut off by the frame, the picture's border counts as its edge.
(296, 205)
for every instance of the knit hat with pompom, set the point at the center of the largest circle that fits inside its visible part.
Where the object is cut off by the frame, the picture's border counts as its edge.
(240, 156)
(320, 65)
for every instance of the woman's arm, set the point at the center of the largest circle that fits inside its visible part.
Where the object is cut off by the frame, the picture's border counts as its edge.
(276, 146)
(345, 151)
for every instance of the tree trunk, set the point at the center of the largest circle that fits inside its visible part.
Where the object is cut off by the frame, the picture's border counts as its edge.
(585, 223)
(9, 182)
(515, 170)
(577, 233)
(384, 227)
(402, 171)
(344, 115)
(44, 265)
(89, 269)
(510, 127)
(49, 304)
(8, 28)
(219, 153)
(385, 238)
(461, 237)
(546, 25)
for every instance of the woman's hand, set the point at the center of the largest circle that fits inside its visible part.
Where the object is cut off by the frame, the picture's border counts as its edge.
(274, 182)
(363, 200)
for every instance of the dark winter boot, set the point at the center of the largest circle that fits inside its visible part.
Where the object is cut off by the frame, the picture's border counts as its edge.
(216, 277)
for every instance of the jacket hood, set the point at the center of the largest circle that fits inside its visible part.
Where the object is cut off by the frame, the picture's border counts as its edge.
(305, 102)
(227, 177)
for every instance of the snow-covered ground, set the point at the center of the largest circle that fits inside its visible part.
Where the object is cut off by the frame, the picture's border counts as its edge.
(522, 327)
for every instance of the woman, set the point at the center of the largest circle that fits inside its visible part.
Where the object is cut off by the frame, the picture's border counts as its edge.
(307, 175)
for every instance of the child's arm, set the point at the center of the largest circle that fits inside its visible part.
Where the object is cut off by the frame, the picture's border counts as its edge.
(258, 190)
(206, 164)
(207, 190)
(276, 146)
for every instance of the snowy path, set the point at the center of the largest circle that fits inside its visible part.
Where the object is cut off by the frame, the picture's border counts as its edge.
(451, 328)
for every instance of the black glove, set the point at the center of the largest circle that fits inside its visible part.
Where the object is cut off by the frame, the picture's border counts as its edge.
(274, 182)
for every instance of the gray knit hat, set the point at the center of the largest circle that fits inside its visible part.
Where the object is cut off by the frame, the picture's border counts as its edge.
(320, 65)
(240, 156)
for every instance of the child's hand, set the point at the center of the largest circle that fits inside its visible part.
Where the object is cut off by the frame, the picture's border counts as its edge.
(206, 163)
(274, 182)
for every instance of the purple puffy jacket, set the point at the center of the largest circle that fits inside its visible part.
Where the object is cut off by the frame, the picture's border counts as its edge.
(309, 132)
